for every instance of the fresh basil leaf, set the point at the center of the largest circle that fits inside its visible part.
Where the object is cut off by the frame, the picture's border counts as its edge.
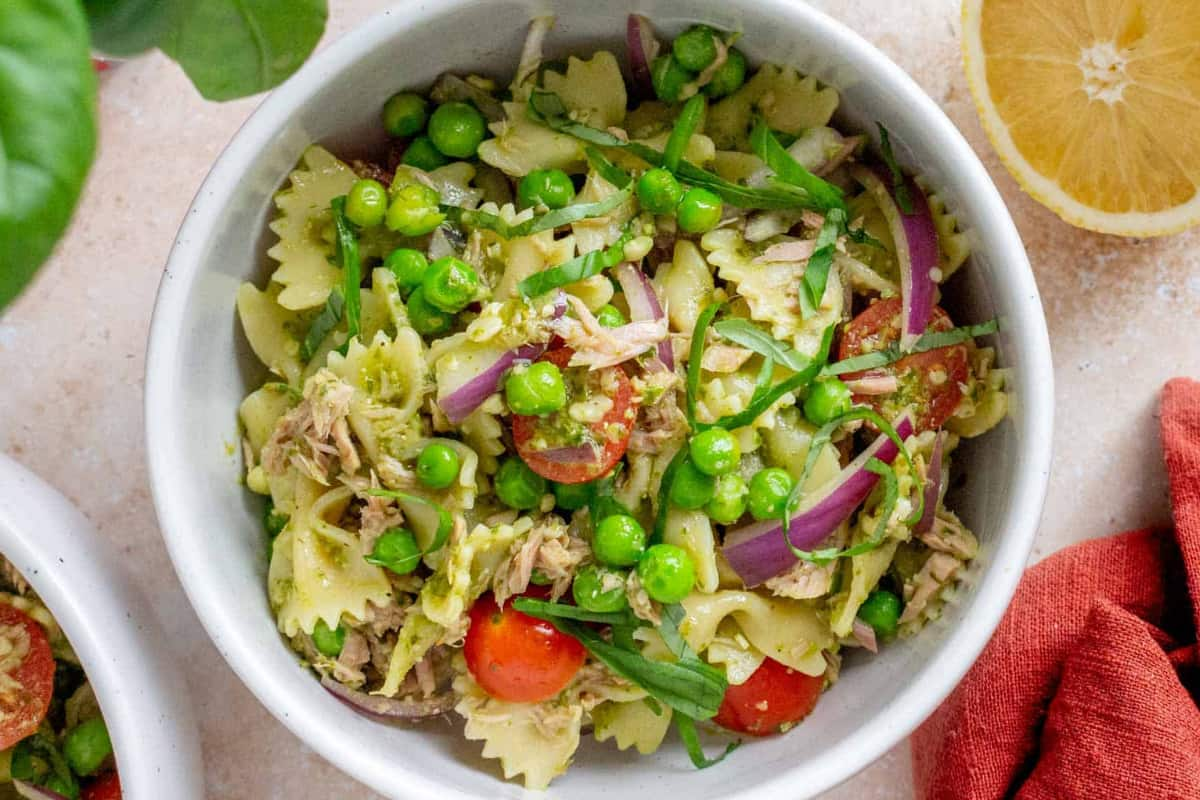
(673, 615)
(761, 402)
(695, 356)
(816, 271)
(47, 130)
(325, 322)
(347, 258)
(691, 688)
(890, 497)
(664, 494)
(685, 125)
(445, 520)
(578, 268)
(752, 337)
(129, 27)
(549, 109)
(788, 170)
(691, 741)
(899, 184)
(543, 609)
(928, 341)
(471, 218)
(606, 169)
(235, 48)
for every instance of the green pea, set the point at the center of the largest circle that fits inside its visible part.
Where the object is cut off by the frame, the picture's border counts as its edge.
(610, 316)
(424, 317)
(86, 746)
(551, 188)
(367, 203)
(404, 114)
(769, 490)
(328, 641)
(450, 284)
(619, 540)
(573, 496)
(60, 785)
(728, 502)
(422, 154)
(695, 48)
(274, 520)
(698, 211)
(518, 486)
(669, 78)
(536, 390)
(667, 573)
(414, 210)
(881, 610)
(457, 129)
(691, 488)
(659, 191)
(396, 550)
(729, 77)
(437, 466)
(715, 451)
(599, 589)
(408, 265)
(827, 399)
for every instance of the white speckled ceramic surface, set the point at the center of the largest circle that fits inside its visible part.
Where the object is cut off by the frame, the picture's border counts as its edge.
(1122, 316)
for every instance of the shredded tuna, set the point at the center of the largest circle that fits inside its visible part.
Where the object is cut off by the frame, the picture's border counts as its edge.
(803, 581)
(798, 250)
(304, 436)
(864, 634)
(724, 358)
(550, 549)
(874, 384)
(949, 536)
(356, 653)
(639, 601)
(596, 346)
(937, 571)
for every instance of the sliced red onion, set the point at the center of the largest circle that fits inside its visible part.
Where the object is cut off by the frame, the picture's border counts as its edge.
(864, 634)
(581, 454)
(643, 48)
(758, 551)
(31, 792)
(916, 251)
(459, 404)
(933, 485)
(644, 306)
(389, 708)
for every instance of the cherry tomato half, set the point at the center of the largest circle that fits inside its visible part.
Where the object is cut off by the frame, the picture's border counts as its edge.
(775, 695)
(930, 382)
(28, 675)
(106, 787)
(516, 657)
(538, 438)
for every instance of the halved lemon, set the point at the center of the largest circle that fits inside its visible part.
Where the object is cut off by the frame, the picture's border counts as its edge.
(1093, 105)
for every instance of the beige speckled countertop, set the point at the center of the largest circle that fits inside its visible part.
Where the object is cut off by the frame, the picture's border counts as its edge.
(1124, 316)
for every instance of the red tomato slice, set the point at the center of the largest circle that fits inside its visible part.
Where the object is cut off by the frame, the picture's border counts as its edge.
(930, 382)
(106, 787)
(28, 675)
(533, 436)
(516, 657)
(775, 695)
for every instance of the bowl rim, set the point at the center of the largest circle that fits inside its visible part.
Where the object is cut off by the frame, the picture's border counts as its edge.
(936, 677)
(110, 625)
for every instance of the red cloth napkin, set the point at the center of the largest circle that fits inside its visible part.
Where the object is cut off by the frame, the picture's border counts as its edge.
(1088, 688)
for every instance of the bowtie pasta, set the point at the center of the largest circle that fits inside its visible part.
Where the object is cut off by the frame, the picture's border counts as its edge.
(608, 403)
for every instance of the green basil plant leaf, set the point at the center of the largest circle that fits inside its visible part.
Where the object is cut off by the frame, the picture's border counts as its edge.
(47, 130)
(129, 27)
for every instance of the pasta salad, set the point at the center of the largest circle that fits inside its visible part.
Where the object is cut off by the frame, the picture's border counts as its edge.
(610, 404)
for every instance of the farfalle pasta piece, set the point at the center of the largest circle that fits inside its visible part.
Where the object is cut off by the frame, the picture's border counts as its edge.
(318, 570)
(635, 724)
(305, 271)
(786, 100)
(591, 89)
(953, 243)
(274, 332)
(692, 531)
(521, 145)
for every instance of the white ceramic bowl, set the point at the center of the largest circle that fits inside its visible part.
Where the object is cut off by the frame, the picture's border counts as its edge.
(112, 630)
(199, 368)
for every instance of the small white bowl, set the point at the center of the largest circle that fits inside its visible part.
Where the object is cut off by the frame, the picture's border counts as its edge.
(199, 368)
(112, 630)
